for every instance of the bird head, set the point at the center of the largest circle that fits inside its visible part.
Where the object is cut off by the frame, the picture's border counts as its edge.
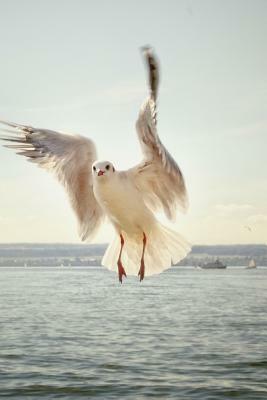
(101, 169)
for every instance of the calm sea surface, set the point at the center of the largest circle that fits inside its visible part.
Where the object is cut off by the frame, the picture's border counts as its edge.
(76, 333)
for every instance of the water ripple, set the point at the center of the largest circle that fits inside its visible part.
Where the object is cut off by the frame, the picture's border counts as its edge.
(77, 333)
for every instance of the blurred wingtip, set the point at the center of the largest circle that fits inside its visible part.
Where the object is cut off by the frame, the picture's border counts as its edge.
(27, 128)
(146, 49)
(8, 123)
(153, 68)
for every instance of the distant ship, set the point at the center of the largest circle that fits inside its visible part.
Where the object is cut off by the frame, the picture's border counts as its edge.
(213, 265)
(252, 264)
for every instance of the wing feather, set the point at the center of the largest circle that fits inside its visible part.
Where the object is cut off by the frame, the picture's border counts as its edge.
(70, 158)
(158, 176)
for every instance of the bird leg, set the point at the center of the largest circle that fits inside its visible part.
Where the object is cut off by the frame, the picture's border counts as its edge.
(121, 271)
(141, 272)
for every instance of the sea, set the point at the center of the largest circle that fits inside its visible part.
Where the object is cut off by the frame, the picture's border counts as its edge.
(77, 333)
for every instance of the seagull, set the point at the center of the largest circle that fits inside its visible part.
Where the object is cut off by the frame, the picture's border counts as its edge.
(130, 199)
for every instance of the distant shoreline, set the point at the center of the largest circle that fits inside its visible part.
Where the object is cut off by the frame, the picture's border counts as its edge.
(61, 254)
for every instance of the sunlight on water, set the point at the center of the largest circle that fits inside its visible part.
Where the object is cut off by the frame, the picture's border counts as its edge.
(77, 333)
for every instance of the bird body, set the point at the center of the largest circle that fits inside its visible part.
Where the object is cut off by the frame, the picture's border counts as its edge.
(123, 203)
(129, 199)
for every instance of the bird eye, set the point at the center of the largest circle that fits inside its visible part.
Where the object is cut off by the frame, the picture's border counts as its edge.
(107, 167)
(94, 168)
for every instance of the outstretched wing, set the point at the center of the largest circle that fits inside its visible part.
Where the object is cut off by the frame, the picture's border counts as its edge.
(158, 177)
(70, 158)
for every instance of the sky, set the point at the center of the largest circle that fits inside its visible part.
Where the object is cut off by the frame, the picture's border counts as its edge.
(75, 66)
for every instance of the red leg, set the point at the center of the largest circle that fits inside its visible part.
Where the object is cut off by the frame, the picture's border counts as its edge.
(121, 271)
(141, 272)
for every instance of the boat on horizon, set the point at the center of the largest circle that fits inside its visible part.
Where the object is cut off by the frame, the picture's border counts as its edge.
(252, 264)
(217, 264)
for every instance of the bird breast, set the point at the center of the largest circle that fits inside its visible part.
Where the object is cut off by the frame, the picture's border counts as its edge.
(122, 203)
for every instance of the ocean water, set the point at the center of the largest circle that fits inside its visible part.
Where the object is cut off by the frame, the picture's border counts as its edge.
(76, 333)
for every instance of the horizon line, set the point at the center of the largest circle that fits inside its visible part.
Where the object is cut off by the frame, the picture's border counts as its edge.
(100, 244)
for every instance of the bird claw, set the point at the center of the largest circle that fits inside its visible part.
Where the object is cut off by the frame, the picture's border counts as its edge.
(121, 271)
(141, 272)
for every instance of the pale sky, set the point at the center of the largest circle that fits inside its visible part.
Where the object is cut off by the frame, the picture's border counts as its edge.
(76, 66)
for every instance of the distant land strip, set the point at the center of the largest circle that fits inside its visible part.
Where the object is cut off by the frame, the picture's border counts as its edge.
(55, 254)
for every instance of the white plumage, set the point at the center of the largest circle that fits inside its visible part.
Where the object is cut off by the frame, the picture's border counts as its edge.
(142, 245)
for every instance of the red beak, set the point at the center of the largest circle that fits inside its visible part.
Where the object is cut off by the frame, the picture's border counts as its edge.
(100, 173)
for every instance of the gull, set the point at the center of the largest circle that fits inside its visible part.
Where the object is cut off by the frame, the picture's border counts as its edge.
(130, 199)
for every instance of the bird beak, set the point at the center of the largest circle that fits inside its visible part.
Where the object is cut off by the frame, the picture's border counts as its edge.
(100, 172)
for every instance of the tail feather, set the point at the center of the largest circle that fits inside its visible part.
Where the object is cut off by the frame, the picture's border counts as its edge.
(177, 245)
(164, 248)
(111, 255)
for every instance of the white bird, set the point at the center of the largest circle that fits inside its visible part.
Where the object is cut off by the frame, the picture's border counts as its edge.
(142, 245)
